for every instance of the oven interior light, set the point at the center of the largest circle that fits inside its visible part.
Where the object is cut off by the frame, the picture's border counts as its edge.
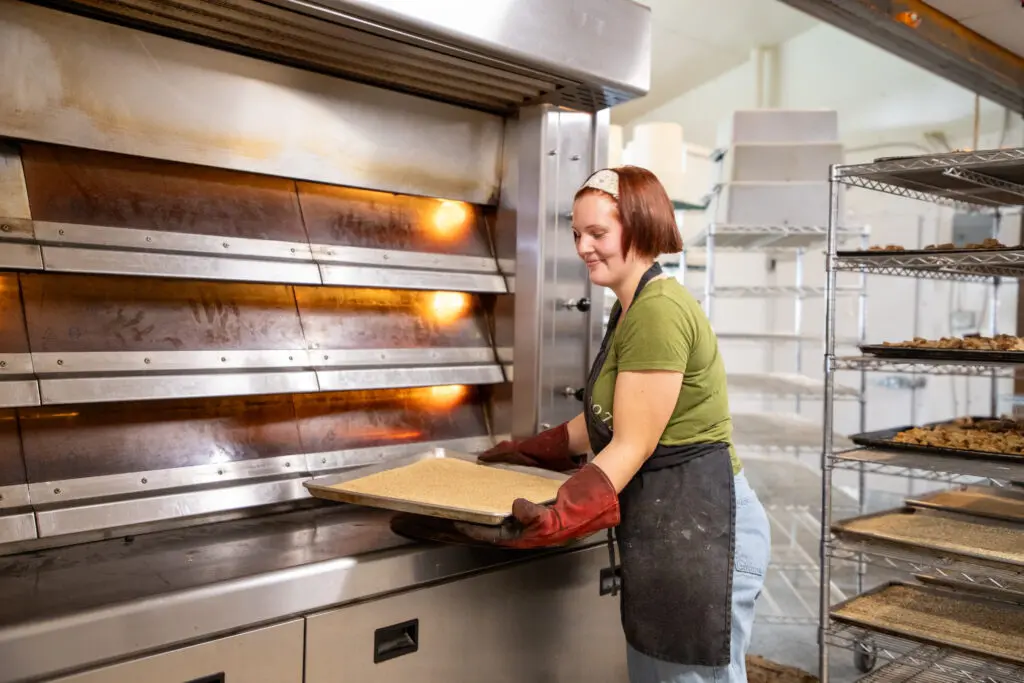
(447, 307)
(450, 220)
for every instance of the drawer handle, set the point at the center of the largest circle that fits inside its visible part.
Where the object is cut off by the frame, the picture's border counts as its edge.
(394, 641)
(215, 678)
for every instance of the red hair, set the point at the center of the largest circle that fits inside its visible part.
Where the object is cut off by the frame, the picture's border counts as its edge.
(645, 211)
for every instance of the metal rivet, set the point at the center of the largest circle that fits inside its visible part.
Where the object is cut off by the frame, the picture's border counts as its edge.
(293, 250)
(325, 357)
(552, 153)
(287, 464)
(323, 461)
(6, 228)
(575, 157)
(145, 481)
(3, 364)
(60, 232)
(1, 496)
(149, 239)
(220, 471)
(60, 362)
(290, 358)
(223, 359)
(56, 492)
(225, 245)
(146, 361)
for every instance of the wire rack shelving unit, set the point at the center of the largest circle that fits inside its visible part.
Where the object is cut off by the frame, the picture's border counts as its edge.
(990, 181)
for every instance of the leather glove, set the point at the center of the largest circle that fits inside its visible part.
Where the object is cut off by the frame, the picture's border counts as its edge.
(548, 450)
(586, 503)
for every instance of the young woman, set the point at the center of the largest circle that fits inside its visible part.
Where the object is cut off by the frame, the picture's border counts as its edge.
(693, 536)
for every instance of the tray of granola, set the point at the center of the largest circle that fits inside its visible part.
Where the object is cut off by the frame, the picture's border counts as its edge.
(1003, 348)
(965, 437)
(987, 244)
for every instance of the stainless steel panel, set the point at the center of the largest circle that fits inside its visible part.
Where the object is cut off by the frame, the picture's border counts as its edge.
(606, 43)
(70, 607)
(151, 240)
(183, 102)
(18, 393)
(14, 364)
(391, 378)
(326, 488)
(15, 256)
(17, 527)
(79, 260)
(13, 495)
(163, 361)
(273, 654)
(324, 253)
(148, 482)
(101, 389)
(358, 457)
(114, 514)
(355, 276)
(543, 620)
(556, 155)
(326, 358)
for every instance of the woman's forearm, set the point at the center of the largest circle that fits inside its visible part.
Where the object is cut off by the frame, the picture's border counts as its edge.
(579, 442)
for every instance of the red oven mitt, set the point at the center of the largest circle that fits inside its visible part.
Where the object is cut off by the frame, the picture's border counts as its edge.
(548, 450)
(586, 503)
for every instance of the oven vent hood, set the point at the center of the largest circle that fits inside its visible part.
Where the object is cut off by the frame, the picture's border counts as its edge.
(490, 55)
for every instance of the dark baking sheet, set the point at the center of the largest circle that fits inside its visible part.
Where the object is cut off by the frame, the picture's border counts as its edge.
(954, 355)
(882, 438)
(932, 638)
(859, 253)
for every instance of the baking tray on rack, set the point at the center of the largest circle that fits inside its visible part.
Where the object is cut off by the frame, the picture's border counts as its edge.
(939, 535)
(991, 629)
(883, 439)
(949, 355)
(988, 502)
(1014, 595)
(325, 487)
(879, 253)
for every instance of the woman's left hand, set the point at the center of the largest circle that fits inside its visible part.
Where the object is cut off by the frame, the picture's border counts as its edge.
(587, 502)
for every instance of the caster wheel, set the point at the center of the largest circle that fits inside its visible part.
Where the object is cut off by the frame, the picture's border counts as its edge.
(864, 658)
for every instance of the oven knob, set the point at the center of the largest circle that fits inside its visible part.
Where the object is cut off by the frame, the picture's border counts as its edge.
(573, 393)
(582, 305)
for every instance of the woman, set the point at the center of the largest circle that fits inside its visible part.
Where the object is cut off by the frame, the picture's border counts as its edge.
(693, 536)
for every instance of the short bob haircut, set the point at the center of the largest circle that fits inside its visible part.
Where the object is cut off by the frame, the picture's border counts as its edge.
(645, 211)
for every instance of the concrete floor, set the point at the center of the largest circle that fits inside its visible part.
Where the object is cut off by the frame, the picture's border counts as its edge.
(786, 629)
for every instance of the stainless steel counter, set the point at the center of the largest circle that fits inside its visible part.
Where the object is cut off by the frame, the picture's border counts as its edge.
(67, 608)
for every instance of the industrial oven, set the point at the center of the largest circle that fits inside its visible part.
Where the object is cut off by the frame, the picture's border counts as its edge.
(245, 243)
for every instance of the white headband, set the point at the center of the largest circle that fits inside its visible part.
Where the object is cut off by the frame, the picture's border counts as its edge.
(605, 180)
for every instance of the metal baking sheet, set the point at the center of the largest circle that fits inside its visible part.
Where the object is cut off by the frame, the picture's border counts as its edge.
(1008, 642)
(883, 439)
(966, 547)
(881, 253)
(994, 592)
(977, 501)
(320, 487)
(954, 355)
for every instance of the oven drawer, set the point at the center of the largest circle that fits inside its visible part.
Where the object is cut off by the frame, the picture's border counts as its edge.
(267, 655)
(543, 619)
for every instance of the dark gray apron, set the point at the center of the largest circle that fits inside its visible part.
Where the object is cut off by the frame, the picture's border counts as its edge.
(676, 540)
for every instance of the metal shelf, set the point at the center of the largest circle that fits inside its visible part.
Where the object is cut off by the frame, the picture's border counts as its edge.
(925, 367)
(766, 237)
(947, 469)
(911, 656)
(949, 566)
(975, 266)
(759, 291)
(979, 179)
(782, 384)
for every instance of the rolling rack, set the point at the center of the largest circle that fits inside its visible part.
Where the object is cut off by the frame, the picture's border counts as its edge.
(952, 619)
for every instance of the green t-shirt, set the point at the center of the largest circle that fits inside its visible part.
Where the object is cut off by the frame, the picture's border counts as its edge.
(666, 329)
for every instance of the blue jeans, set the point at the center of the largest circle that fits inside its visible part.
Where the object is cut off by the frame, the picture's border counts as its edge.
(753, 549)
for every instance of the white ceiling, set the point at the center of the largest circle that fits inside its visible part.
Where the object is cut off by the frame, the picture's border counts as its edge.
(1001, 21)
(696, 40)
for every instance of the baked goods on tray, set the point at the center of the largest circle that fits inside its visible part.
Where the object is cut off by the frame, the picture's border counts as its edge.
(1001, 342)
(996, 435)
